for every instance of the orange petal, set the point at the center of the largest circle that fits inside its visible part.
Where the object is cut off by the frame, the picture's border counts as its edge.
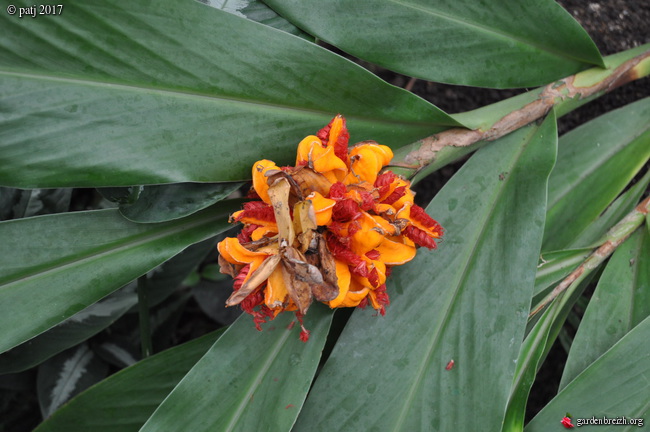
(321, 159)
(233, 252)
(394, 252)
(366, 160)
(259, 178)
(322, 207)
(381, 272)
(275, 295)
(343, 281)
(354, 298)
(262, 231)
(368, 237)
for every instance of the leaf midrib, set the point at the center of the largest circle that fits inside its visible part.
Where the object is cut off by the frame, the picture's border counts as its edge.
(137, 240)
(417, 381)
(491, 30)
(178, 93)
(257, 381)
(607, 157)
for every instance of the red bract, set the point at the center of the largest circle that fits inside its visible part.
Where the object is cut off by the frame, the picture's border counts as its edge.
(419, 237)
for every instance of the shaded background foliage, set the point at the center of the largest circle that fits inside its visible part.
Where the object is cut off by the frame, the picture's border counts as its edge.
(614, 25)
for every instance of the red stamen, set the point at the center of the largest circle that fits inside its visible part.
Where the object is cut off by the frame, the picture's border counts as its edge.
(353, 228)
(373, 277)
(373, 254)
(337, 190)
(304, 333)
(398, 193)
(382, 298)
(420, 215)
(341, 144)
(419, 237)
(346, 210)
(245, 234)
(239, 279)
(385, 179)
(260, 316)
(367, 201)
(252, 194)
(343, 253)
(258, 210)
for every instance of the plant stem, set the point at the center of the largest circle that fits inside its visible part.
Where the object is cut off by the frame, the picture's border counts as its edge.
(494, 121)
(616, 235)
(143, 311)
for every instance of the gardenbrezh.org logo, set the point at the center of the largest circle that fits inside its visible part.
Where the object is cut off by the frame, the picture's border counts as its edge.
(593, 420)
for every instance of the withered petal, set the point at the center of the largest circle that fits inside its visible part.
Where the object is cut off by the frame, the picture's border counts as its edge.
(298, 290)
(254, 280)
(279, 196)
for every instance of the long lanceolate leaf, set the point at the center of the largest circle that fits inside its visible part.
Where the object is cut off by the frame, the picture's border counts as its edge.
(110, 94)
(466, 302)
(124, 401)
(54, 266)
(615, 146)
(510, 43)
(614, 386)
(621, 301)
(249, 380)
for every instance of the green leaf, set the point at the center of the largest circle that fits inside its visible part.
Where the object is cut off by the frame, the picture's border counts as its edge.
(124, 401)
(468, 302)
(487, 44)
(615, 146)
(614, 213)
(249, 380)
(160, 283)
(161, 203)
(66, 375)
(145, 95)
(213, 273)
(70, 332)
(615, 385)
(621, 301)
(557, 265)
(54, 266)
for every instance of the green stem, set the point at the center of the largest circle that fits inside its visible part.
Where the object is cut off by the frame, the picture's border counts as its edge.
(143, 310)
(616, 235)
(494, 121)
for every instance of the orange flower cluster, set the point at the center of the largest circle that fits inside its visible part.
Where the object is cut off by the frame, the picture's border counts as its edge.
(329, 228)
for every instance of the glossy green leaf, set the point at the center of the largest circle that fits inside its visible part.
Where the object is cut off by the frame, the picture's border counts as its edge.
(249, 380)
(500, 44)
(160, 203)
(614, 386)
(468, 302)
(176, 91)
(66, 375)
(621, 301)
(72, 331)
(614, 213)
(54, 266)
(124, 401)
(543, 330)
(84, 324)
(615, 146)
(532, 352)
(557, 265)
